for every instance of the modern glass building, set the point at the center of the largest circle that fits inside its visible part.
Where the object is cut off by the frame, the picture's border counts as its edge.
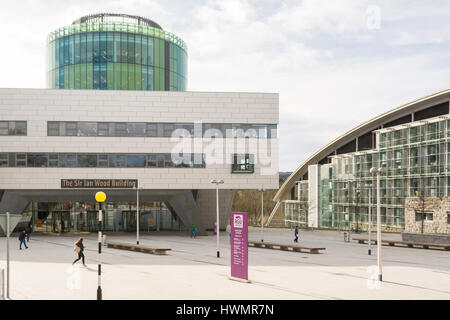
(416, 160)
(331, 189)
(109, 51)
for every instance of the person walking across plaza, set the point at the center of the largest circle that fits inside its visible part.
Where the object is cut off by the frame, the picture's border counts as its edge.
(192, 231)
(28, 231)
(79, 248)
(296, 234)
(22, 239)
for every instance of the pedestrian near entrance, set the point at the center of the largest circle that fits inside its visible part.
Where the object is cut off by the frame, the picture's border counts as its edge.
(28, 231)
(296, 234)
(192, 231)
(63, 225)
(22, 239)
(79, 248)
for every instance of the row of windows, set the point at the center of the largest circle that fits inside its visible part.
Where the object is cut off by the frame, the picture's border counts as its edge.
(102, 160)
(13, 128)
(114, 76)
(102, 47)
(143, 129)
(426, 132)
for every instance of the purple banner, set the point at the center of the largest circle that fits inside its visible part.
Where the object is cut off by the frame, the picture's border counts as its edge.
(239, 245)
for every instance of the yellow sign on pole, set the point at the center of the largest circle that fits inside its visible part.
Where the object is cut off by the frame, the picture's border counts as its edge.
(100, 196)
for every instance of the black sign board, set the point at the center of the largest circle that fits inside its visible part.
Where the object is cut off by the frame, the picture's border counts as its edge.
(99, 183)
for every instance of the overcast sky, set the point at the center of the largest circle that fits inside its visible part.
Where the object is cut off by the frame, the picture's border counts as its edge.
(335, 64)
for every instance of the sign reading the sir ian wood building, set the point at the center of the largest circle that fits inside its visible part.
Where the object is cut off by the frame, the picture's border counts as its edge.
(99, 183)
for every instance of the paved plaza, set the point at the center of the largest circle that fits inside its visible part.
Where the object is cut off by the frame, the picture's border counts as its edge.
(192, 271)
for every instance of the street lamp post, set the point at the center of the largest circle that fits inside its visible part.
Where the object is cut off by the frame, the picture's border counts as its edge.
(137, 215)
(100, 197)
(217, 182)
(7, 254)
(378, 172)
(369, 224)
(262, 213)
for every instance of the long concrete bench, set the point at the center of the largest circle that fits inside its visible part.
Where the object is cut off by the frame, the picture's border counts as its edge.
(135, 247)
(285, 247)
(409, 244)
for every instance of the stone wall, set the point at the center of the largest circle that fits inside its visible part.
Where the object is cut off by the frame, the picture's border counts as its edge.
(439, 208)
(426, 238)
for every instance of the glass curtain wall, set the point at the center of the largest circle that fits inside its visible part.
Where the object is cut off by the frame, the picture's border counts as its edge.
(116, 61)
(417, 161)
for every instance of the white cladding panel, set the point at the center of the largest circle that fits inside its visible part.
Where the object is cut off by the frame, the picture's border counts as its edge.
(313, 199)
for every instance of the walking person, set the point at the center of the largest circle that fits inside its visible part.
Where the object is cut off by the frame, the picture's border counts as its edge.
(193, 231)
(296, 234)
(79, 248)
(22, 239)
(63, 225)
(28, 230)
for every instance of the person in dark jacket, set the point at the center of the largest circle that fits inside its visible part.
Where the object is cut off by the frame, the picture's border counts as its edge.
(22, 239)
(63, 226)
(28, 231)
(296, 234)
(79, 247)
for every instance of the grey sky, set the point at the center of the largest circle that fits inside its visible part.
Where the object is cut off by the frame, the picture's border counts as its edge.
(332, 65)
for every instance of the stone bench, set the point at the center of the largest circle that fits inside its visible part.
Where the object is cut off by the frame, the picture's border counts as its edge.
(284, 247)
(135, 247)
(409, 244)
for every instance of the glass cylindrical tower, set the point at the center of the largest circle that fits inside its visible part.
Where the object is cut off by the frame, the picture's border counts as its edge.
(116, 52)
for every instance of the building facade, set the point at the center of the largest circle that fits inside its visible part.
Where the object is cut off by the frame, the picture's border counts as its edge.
(170, 145)
(116, 52)
(415, 151)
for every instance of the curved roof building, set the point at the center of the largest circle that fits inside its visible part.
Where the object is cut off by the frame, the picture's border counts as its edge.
(110, 51)
(362, 138)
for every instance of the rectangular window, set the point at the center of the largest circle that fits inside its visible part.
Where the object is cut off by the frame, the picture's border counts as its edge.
(4, 160)
(184, 130)
(168, 129)
(103, 129)
(428, 216)
(72, 160)
(136, 129)
(20, 128)
(21, 159)
(136, 160)
(242, 163)
(152, 161)
(87, 160)
(120, 160)
(102, 160)
(4, 128)
(53, 160)
(37, 160)
(168, 163)
(120, 129)
(152, 130)
(71, 128)
(87, 129)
